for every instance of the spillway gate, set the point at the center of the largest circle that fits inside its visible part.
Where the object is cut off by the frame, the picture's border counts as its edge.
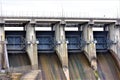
(32, 42)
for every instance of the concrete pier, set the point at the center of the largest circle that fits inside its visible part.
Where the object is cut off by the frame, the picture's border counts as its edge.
(114, 37)
(2, 40)
(61, 47)
(90, 48)
(31, 44)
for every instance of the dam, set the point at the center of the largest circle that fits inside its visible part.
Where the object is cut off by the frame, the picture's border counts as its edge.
(58, 53)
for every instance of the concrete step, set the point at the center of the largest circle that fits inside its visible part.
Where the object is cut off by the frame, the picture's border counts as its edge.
(30, 75)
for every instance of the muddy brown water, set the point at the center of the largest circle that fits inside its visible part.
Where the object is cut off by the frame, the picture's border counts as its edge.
(18, 59)
(107, 67)
(50, 67)
(79, 67)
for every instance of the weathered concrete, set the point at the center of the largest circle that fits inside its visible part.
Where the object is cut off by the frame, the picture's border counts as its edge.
(4, 63)
(61, 46)
(31, 45)
(16, 76)
(114, 37)
(32, 75)
(2, 40)
(90, 48)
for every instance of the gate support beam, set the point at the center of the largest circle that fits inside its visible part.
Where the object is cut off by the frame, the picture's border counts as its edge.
(61, 47)
(114, 37)
(90, 47)
(31, 44)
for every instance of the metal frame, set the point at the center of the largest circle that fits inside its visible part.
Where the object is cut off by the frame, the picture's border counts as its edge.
(50, 45)
(74, 46)
(13, 46)
(101, 38)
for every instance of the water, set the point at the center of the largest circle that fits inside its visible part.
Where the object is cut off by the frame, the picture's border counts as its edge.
(50, 67)
(107, 68)
(19, 59)
(79, 67)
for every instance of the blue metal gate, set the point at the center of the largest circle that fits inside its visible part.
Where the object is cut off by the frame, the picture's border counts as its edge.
(15, 41)
(46, 41)
(101, 38)
(74, 41)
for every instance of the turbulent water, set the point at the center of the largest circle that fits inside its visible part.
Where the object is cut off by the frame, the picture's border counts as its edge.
(79, 67)
(107, 68)
(50, 66)
(17, 60)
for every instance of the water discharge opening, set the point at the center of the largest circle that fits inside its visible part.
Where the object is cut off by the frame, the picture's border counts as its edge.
(107, 67)
(19, 62)
(50, 66)
(79, 67)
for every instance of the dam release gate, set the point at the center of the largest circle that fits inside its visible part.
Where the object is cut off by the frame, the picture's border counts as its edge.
(57, 40)
(16, 42)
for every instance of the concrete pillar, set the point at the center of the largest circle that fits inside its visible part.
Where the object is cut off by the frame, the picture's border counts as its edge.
(2, 40)
(118, 40)
(114, 37)
(90, 47)
(61, 47)
(32, 45)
